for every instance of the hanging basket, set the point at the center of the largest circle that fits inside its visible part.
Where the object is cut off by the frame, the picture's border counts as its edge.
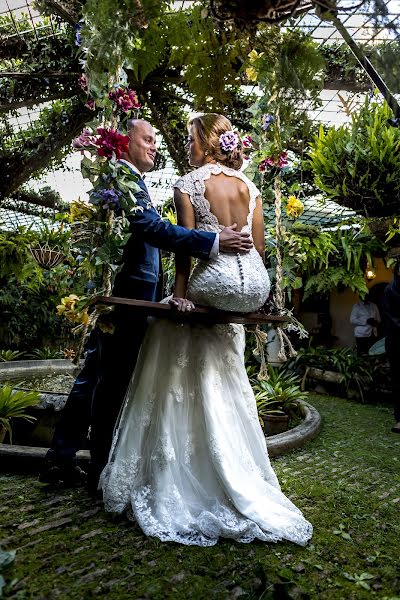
(269, 11)
(47, 257)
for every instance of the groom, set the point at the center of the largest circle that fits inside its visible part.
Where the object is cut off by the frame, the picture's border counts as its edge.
(99, 389)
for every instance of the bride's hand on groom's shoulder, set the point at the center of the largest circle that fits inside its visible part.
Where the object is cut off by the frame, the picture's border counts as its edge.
(231, 240)
(181, 304)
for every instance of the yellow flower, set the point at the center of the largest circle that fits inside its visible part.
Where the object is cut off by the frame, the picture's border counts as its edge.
(254, 55)
(251, 74)
(68, 302)
(83, 317)
(294, 207)
(69, 353)
(106, 327)
(81, 211)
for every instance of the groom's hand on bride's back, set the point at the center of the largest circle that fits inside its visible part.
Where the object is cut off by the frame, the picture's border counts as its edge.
(231, 240)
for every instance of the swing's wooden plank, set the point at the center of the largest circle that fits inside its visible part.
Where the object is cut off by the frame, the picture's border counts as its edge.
(197, 315)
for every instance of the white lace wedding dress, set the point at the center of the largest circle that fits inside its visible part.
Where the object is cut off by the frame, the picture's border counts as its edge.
(189, 460)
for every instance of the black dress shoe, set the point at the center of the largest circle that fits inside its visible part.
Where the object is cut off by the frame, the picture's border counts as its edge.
(396, 428)
(66, 475)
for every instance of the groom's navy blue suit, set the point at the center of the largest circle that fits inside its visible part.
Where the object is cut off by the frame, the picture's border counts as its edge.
(99, 390)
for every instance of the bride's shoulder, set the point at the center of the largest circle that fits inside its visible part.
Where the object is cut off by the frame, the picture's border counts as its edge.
(192, 176)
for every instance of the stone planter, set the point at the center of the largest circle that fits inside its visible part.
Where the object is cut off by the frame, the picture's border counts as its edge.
(274, 424)
(47, 414)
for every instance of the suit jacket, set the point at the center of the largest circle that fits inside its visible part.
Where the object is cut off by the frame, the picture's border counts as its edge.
(391, 308)
(141, 269)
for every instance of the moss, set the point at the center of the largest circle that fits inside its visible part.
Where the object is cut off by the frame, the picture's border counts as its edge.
(346, 482)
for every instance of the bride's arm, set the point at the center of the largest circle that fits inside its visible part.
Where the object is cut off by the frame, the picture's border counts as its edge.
(258, 228)
(183, 262)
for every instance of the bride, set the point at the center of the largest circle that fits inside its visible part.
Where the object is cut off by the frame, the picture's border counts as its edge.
(189, 460)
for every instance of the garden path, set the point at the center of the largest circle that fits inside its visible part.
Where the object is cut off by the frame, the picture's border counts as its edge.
(346, 481)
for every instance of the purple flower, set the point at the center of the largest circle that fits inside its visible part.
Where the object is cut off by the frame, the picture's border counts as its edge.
(78, 37)
(107, 198)
(267, 120)
(228, 141)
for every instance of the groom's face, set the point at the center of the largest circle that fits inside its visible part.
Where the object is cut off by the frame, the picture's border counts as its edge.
(142, 146)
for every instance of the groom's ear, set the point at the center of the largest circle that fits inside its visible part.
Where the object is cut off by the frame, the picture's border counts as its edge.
(160, 162)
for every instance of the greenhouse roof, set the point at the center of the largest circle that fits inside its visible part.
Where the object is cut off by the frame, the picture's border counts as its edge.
(336, 105)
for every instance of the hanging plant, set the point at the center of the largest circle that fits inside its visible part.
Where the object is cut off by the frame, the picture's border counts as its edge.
(50, 246)
(358, 165)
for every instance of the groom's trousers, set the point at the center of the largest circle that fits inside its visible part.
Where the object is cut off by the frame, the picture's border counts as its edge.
(99, 390)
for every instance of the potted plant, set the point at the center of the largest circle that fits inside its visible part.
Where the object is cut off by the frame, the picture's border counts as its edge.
(358, 165)
(278, 399)
(13, 404)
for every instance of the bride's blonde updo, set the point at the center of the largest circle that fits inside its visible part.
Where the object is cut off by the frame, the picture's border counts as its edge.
(209, 128)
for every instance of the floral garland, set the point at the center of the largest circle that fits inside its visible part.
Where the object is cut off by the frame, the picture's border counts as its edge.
(100, 227)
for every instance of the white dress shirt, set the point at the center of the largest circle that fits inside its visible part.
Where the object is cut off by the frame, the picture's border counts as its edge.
(361, 312)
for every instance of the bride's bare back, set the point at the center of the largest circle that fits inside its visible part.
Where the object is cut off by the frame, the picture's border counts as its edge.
(229, 199)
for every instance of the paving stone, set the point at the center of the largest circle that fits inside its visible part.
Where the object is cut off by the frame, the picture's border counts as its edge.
(92, 576)
(29, 524)
(80, 549)
(91, 534)
(56, 500)
(65, 513)
(83, 570)
(51, 525)
(384, 495)
(32, 543)
(89, 513)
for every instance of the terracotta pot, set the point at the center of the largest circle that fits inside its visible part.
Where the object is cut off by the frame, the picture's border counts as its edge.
(274, 424)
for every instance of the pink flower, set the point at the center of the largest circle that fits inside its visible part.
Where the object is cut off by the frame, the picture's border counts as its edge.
(110, 141)
(272, 161)
(84, 140)
(83, 82)
(282, 161)
(125, 99)
(247, 141)
(90, 104)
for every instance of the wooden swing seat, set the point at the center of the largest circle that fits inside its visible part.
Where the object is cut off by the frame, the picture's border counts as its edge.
(200, 314)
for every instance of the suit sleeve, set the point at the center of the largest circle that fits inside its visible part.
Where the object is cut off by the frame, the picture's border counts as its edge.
(148, 225)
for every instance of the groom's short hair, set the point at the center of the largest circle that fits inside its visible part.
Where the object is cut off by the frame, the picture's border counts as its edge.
(131, 123)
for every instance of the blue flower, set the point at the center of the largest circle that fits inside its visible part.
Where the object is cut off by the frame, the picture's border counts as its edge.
(107, 198)
(267, 120)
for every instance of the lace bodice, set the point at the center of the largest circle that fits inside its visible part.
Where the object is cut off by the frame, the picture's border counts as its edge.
(193, 184)
(236, 282)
